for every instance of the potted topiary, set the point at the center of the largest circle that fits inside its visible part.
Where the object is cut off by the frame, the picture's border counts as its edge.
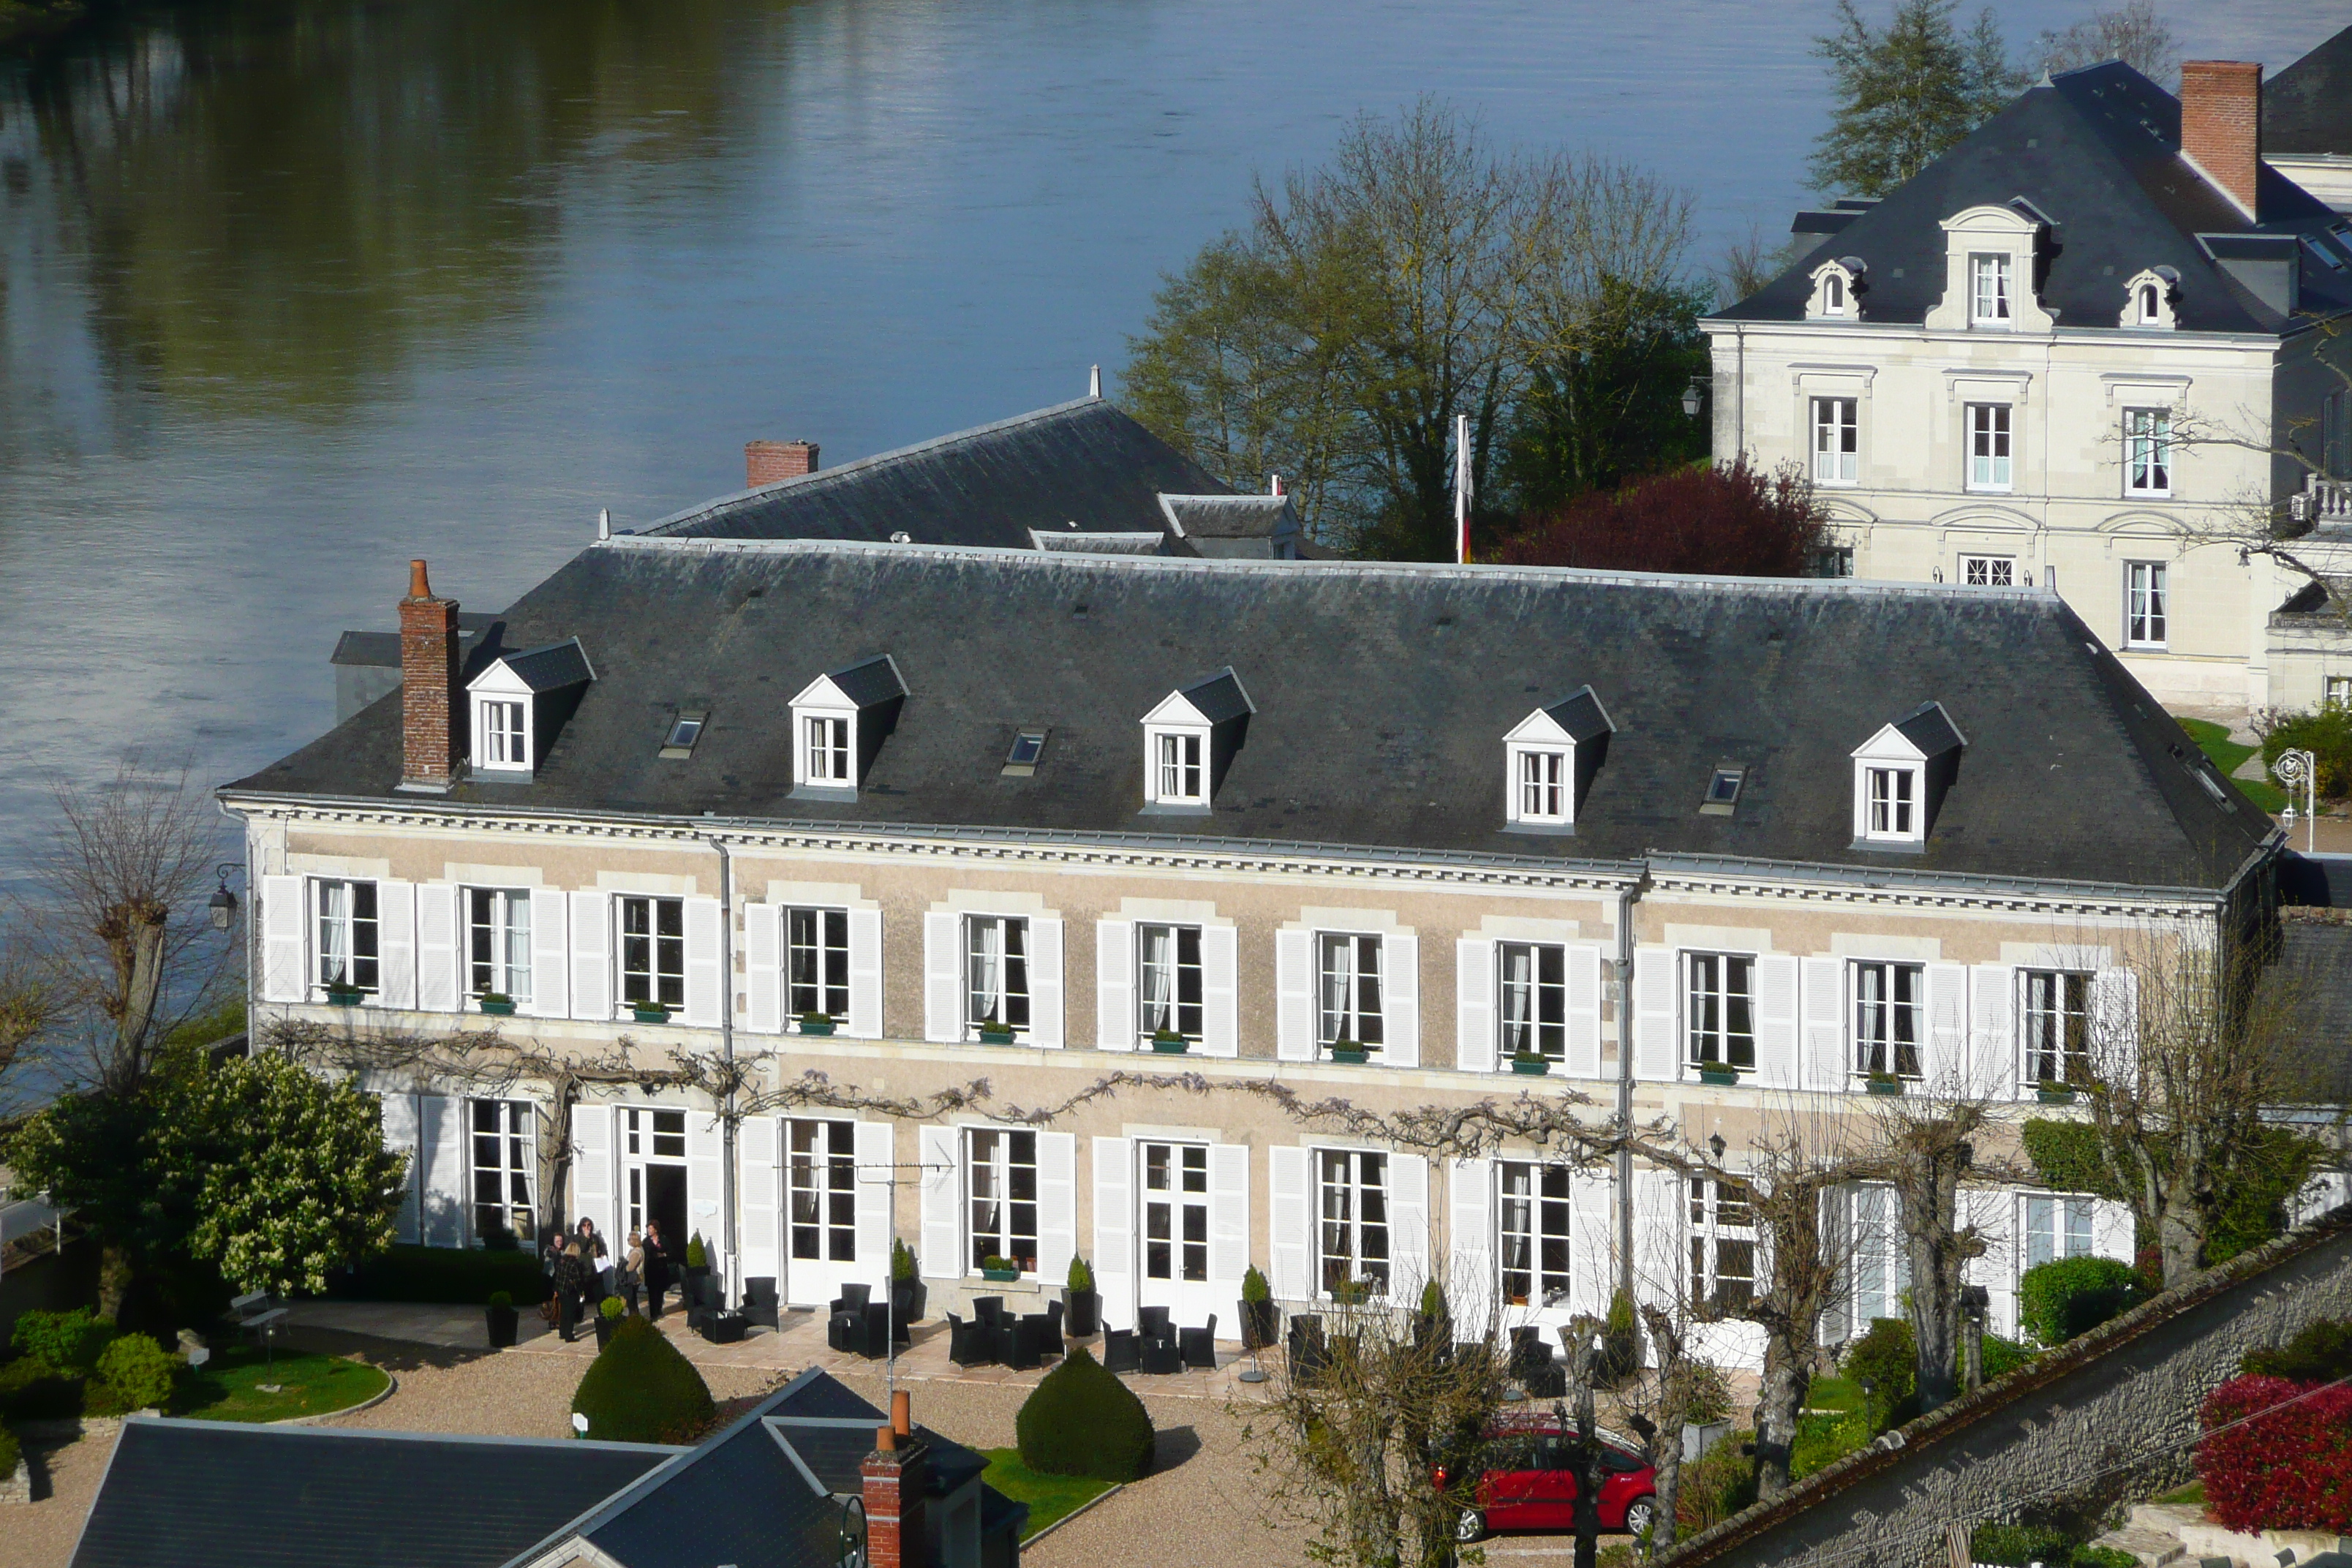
(502, 1319)
(650, 1012)
(2050, 1091)
(1081, 1420)
(1723, 1075)
(1261, 1318)
(1169, 1043)
(992, 1033)
(498, 1004)
(342, 993)
(1081, 1303)
(999, 1270)
(816, 1023)
(698, 1267)
(608, 1318)
(1883, 1083)
(1534, 1064)
(1352, 1051)
(906, 1287)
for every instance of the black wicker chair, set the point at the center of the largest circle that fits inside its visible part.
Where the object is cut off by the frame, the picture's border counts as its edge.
(1160, 1356)
(759, 1302)
(1120, 1353)
(1017, 1341)
(969, 1343)
(1198, 1346)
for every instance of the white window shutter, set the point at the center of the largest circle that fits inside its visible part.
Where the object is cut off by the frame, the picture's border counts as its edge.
(704, 993)
(874, 1144)
(550, 954)
(2113, 1233)
(442, 1144)
(1229, 1217)
(1946, 1068)
(440, 949)
(1837, 1234)
(1221, 988)
(1657, 1055)
(1400, 1001)
(285, 947)
(1993, 1213)
(865, 1020)
(1114, 1255)
(1290, 1223)
(1999, 1066)
(1661, 1236)
(942, 978)
(593, 1176)
(941, 1149)
(2115, 1023)
(1409, 1251)
(395, 944)
(1045, 983)
(1474, 1003)
(1472, 1285)
(1115, 1025)
(1057, 1207)
(1583, 1012)
(1825, 1053)
(759, 1191)
(1294, 997)
(1592, 1240)
(706, 1152)
(592, 955)
(763, 968)
(1776, 1021)
(399, 1109)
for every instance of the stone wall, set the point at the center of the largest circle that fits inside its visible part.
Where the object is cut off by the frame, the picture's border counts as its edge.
(2114, 1413)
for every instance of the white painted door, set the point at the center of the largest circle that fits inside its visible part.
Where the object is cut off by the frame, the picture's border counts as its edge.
(653, 1182)
(820, 1176)
(1172, 1231)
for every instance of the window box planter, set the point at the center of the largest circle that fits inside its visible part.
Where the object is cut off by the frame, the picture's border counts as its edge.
(999, 1276)
(496, 1006)
(991, 1036)
(336, 999)
(1171, 1045)
(1533, 1067)
(1722, 1077)
(1351, 1053)
(1878, 1085)
(816, 1024)
(2054, 1094)
(649, 1012)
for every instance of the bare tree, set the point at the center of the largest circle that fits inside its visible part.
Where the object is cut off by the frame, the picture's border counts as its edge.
(1747, 265)
(2135, 33)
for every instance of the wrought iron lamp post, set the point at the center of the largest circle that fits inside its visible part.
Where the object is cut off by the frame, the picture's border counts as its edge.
(2295, 770)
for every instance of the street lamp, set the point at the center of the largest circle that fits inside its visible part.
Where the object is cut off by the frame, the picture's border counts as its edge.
(1714, 1145)
(2300, 768)
(1692, 396)
(223, 904)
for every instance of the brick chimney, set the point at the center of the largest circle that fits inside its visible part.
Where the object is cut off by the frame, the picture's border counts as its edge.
(765, 462)
(2222, 123)
(432, 711)
(895, 1477)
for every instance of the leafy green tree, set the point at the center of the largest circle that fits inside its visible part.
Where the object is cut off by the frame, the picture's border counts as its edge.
(1609, 409)
(1907, 94)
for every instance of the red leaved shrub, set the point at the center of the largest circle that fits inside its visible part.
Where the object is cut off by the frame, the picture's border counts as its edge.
(1725, 521)
(2288, 1470)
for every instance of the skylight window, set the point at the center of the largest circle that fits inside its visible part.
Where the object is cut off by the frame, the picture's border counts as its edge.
(1021, 761)
(683, 732)
(1723, 790)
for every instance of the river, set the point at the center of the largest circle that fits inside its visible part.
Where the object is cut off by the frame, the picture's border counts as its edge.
(292, 291)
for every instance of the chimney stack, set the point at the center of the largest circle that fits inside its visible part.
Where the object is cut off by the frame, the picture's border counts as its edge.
(2221, 124)
(432, 712)
(894, 1478)
(767, 462)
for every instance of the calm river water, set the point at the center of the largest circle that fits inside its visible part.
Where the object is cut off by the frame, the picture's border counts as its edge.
(291, 291)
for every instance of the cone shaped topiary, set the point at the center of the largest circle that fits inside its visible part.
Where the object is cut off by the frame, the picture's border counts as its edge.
(639, 1389)
(1083, 1421)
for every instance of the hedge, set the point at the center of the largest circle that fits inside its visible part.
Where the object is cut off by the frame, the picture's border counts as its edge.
(2065, 1297)
(640, 1389)
(1081, 1420)
(32, 1392)
(2321, 1352)
(456, 1276)
(68, 1342)
(2289, 1469)
(11, 1456)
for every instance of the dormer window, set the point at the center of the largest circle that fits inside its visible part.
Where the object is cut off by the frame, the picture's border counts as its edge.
(1189, 741)
(518, 706)
(1834, 295)
(1901, 776)
(2151, 301)
(1552, 754)
(2148, 299)
(839, 722)
(1989, 291)
(1837, 289)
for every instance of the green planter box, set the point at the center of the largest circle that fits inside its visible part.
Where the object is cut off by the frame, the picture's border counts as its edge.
(651, 1014)
(1722, 1077)
(345, 998)
(996, 1036)
(809, 1027)
(2054, 1096)
(1883, 1085)
(1532, 1066)
(1354, 1056)
(500, 1009)
(999, 1276)
(1171, 1048)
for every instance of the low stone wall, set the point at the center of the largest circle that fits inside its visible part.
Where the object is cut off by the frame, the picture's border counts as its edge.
(2114, 1412)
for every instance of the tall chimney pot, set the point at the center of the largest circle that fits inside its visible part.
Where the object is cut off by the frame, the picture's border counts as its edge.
(770, 462)
(2221, 124)
(902, 1412)
(432, 708)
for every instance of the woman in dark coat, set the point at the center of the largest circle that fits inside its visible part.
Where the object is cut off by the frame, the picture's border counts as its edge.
(571, 1282)
(657, 1270)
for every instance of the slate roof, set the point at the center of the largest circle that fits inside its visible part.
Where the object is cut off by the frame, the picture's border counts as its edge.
(1217, 697)
(552, 667)
(2312, 979)
(1930, 729)
(1580, 715)
(213, 1494)
(1226, 516)
(2098, 150)
(1381, 694)
(869, 680)
(381, 650)
(1082, 462)
(2307, 106)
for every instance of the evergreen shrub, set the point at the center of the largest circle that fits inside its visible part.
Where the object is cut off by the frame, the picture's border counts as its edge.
(2070, 1296)
(137, 1373)
(1081, 1420)
(2321, 1352)
(69, 1342)
(640, 1389)
(1886, 1361)
(11, 1456)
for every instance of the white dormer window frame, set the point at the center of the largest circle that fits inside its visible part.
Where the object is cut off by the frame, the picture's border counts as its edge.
(1836, 285)
(1897, 787)
(1176, 760)
(1890, 802)
(500, 723)
(2147, 302)
(1543, 783)
(1993, 289)
(828, 742)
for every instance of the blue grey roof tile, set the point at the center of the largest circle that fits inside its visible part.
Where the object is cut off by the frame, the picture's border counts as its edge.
(552, 667)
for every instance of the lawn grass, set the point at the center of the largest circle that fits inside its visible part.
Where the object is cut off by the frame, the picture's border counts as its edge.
(228, 1387)
(1834, 1393)
(2194, 1492)
(2214, 741)
(1050, 1497)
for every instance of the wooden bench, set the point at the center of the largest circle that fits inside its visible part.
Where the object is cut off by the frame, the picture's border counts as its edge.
(255, 1313)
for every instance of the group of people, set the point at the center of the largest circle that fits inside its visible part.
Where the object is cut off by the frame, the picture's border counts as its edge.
(582, 1274)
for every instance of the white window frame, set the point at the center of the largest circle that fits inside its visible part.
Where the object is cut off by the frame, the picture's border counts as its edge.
(1534, 1226)
(1341, 1010)
(1990, 441)
(1722, 1216)
(1891, 803)
(2053, 1225)
(656, 977)
(1543, 783)
(1833, 294)
(1181, 1006)
(1837, 440)
(986, 978)
(993, 1170)
(345, 940)
(820, 1189)
(2054, 1010)
(502, 734)
(1174, 1213)
(498, 943)
(815, 940)
(1176, 764)
(1989, 571)
(1881, 1258)
(1993, 289)
(1712, 1002)
(1352, 1242)
(828, 755)
(2150, 297)
(1886, 1032)
(2147, 604)
(2147, 453)
(1531, 1006)
(2336, 692)
(503, 1187)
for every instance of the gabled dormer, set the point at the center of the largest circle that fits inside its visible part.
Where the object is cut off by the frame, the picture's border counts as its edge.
(1189, 740)
(1901, 776)
(1549, 758)
(1992, 270)
(2148, 299)
(839, 722)
(1838, 285)
(519, 704)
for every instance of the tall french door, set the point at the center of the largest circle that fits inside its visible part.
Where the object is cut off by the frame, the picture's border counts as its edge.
(1172, 1231)
(820, 1205)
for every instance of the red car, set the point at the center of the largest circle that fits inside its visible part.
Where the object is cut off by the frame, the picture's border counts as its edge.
(1528, 1482)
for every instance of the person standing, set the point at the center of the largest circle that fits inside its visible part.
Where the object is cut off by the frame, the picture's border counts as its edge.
(571, 1282)
(631, 1275)
(599, 1261)
(657, 1270)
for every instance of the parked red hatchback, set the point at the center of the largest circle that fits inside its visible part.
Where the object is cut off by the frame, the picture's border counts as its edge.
(1527, 1481)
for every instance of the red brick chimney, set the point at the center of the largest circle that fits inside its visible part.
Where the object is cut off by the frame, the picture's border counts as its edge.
(765, 462)
(432, 711)
(894, 1476)
(2222, 123)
